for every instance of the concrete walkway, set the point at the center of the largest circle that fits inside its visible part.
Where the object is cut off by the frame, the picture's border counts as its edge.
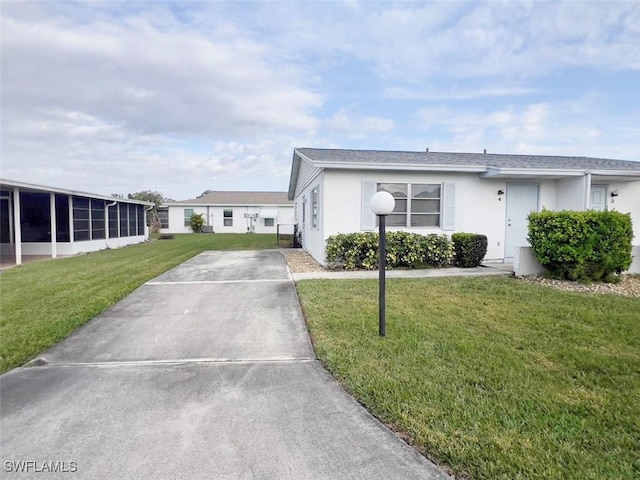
(204, 372)
(487, 270)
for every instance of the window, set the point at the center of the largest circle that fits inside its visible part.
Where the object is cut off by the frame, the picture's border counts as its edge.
(163, 216)
(227, 218)
(188, 212)
(124, 219)
(268, 222)
(81, 218)
(417, 204)
(314, 208)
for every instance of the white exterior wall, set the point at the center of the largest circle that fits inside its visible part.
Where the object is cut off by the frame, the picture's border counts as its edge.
(478, 208)
(313, 238)
(627, 201)
(214, 215)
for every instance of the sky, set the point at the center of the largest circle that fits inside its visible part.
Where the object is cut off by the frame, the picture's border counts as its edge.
(187, 96)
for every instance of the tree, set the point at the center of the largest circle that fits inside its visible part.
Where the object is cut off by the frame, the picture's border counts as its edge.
(197, 221)
(205, 193)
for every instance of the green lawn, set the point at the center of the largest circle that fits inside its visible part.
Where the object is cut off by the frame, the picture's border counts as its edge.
(495, 378)
(41, 303)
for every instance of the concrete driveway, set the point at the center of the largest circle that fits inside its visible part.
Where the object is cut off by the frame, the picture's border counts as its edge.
(204, 372)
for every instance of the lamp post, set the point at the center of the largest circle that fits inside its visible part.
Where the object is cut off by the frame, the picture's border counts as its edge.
(382, 204)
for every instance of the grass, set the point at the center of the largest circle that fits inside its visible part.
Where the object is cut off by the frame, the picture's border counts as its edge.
(494, 378)
(42, 303)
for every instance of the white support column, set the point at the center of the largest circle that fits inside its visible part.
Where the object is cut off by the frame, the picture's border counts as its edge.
(54, 226)
(71, 239)
(17, 226)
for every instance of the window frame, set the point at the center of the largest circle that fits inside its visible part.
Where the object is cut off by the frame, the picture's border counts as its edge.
(269, 222)
(227, 217)
(187, 216)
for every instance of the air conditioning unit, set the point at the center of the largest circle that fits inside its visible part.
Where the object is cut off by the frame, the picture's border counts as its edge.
(207, 229)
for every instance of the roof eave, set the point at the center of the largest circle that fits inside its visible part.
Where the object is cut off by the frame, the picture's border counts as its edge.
(401, 166)
(64, 191)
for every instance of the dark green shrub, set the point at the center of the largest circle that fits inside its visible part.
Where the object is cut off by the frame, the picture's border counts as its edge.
(583, 246)
(404, 250)
(470, 249)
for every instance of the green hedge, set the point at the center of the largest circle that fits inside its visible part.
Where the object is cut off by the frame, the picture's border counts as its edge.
(408, 250)
(470, 249)
(582, 246)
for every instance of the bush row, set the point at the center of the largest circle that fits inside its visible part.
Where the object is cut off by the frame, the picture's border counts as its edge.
(408, 250)
(583, 246)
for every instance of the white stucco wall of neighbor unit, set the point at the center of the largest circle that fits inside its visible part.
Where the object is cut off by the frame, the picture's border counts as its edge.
(232, 219)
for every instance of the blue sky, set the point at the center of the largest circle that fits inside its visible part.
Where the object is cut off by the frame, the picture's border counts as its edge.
(181, 97)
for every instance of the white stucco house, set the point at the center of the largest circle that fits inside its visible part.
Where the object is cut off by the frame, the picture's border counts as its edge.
(231, 212)
(439, 192)
(37, 220)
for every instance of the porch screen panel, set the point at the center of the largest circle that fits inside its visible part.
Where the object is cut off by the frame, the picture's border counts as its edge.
(113, 221)
(5, 224)
(35, 216)
(140, 209)
(81, 218)
(124, 219)
(132, 221)
(62, 218)
(97, 219)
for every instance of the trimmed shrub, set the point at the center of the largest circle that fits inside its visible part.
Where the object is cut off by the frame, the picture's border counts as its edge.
(583, 246)
(197, 222)
(470, 249)
(403, 249)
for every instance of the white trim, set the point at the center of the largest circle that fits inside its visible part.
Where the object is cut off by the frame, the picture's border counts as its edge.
(54, 227)
(401, 166)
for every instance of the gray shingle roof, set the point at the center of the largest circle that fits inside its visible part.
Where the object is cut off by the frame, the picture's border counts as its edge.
(239, 198)
(480, 160)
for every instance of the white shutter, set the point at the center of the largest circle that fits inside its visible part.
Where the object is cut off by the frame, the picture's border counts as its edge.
(368, 218)
(448, 207)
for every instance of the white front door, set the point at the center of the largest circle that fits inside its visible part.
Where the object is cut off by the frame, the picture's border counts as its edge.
(598, 198)
(522, 199)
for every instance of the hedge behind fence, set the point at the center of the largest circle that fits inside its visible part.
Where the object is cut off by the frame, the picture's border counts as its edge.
(409, 250)
(583, 246)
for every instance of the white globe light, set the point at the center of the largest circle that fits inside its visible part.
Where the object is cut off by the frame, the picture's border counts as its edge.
(382, 203)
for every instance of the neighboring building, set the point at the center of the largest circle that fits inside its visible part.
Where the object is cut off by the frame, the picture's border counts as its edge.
(81, 222)
(231, 212)
(439, 192)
